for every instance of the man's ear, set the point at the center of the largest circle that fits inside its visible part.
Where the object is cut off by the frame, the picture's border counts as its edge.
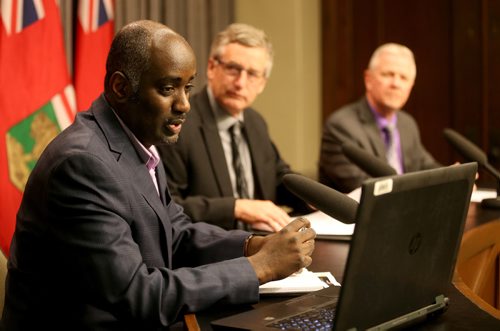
(367, 76)
(120, 86)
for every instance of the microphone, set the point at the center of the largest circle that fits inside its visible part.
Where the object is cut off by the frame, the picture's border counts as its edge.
(370, 164)
(473, 153)
(322, 197)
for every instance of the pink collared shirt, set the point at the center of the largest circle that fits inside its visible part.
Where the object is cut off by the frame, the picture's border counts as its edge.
(150, 156)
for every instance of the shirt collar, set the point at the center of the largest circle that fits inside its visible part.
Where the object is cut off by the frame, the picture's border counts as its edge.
(150, 156)
(223, 118)
(382, 122)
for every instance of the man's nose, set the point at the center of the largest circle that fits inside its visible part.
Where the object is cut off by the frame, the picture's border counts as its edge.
(242, 78)
(182, 102)
(397, 81)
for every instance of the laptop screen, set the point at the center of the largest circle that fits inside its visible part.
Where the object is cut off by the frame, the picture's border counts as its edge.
(408, 231)
(401, 257)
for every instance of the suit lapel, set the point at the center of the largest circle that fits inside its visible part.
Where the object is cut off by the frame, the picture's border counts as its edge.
(126, 155)
(161, 178)
(145, 186)
(405, 138)
(131, 164)
(165, 199)
(254, 139)
(211, 139)
(374, 140)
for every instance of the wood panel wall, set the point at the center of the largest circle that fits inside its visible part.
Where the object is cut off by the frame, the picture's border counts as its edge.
(457, 49)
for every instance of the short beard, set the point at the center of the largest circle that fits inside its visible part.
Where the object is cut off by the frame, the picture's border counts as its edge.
(170, 140)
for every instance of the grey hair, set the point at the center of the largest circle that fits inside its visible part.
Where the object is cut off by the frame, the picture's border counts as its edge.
(392, 48)
(245, 35)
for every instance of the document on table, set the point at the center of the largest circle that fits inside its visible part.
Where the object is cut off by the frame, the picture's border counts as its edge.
(477, 195)
(480, 194)
(298, 283)
(327, 227)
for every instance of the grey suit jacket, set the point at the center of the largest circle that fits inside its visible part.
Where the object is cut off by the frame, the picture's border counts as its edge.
(197, 171)
(355, 124)
(95, 248)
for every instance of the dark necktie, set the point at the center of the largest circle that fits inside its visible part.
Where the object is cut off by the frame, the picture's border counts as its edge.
(391, 148)
(241, 183)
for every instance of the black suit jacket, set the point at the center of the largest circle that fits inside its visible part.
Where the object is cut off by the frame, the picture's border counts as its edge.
(95, 248)
(197, 171)
(355, 124)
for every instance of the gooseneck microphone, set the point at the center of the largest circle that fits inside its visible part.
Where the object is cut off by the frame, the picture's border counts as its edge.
(370, 164)
(329, 201)
(473, 153)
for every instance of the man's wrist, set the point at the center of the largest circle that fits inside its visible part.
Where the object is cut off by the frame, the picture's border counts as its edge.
(253, 244)
(247, 243)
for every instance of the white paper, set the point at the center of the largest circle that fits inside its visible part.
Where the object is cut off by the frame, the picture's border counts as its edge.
(327, 225)
(300, 282)
(480, 194)
(477, 195)
(355, 194)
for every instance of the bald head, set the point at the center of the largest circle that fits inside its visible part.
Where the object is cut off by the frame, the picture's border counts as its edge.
(130, 51)
(149, 74)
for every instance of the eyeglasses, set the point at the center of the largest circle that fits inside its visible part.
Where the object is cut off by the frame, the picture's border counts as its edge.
(234, 70)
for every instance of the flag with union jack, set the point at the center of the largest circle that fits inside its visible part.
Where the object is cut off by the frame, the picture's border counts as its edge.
(36, 96)
(94, 33)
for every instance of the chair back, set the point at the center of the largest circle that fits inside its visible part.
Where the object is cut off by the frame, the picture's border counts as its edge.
(477, 271)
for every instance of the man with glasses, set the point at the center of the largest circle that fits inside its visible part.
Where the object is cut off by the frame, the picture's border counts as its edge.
(225, 169)
(99, 244)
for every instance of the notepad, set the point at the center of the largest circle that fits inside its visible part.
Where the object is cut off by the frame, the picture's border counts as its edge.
(301, 282)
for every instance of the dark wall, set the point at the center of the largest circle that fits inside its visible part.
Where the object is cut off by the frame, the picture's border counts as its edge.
(457, 49)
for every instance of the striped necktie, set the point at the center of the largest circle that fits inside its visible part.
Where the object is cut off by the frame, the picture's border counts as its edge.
(241, 183)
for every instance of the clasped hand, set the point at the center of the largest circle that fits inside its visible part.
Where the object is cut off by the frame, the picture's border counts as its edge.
(280, 254)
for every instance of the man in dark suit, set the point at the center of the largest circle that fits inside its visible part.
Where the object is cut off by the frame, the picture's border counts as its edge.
(376, 123)
(99, 243)
(203, 176)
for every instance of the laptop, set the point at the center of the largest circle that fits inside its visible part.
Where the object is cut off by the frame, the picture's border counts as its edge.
(401, 258)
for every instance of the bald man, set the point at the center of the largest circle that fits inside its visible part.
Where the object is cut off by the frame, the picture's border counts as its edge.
(99, 242)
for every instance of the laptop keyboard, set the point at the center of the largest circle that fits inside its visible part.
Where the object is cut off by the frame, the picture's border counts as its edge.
(318, 319)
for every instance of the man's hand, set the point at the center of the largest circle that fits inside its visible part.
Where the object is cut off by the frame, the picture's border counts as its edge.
(278, 255)
(261, 214)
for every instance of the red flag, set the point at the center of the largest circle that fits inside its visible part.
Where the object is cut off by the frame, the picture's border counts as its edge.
(36, 98)
(94, 33)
